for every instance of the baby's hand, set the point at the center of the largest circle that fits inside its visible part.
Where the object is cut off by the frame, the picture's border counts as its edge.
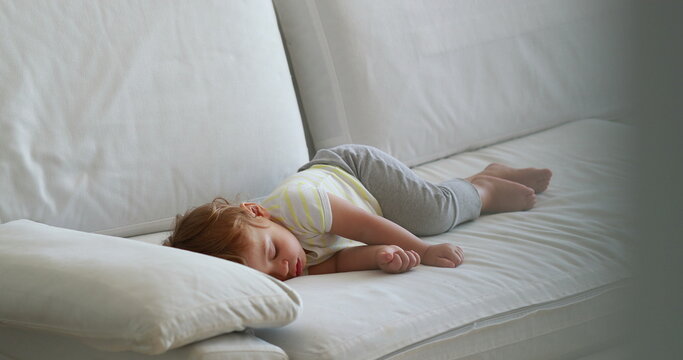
(393, 259)
(443, 255)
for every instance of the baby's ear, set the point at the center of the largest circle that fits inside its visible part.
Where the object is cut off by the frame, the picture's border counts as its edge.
(256, 209)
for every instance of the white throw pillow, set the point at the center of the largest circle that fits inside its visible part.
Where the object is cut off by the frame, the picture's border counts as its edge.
(120, 294)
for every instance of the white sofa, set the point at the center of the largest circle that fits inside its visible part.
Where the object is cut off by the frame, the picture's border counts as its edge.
(116, 116)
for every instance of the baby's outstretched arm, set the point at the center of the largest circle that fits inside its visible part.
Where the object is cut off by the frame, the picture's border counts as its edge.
(389, 258)
(351, 222)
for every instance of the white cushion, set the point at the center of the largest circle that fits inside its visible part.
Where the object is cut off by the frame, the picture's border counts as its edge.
(427, 79)
(559, 266)
(120, 294)
(117, 113)
(25, 344)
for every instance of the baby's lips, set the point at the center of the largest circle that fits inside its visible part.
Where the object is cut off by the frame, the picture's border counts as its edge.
(299, 266)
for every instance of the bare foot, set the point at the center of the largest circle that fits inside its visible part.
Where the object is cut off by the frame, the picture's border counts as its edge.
(537, 179)
(500, 195)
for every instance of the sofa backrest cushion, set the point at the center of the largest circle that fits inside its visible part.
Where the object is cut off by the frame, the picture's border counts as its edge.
(426, 79)
(121, 114)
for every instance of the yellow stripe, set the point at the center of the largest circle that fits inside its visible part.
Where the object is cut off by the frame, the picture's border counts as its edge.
(323, 173)
(322, 166)
(271, 198)
(312, 176)
(350, 179)
(322, 214)
(360, 189)
(347, 195)
(305, 206)
(337, 184)
(291, 210)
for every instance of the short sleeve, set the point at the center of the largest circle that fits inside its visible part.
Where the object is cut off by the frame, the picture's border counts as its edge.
(305, 210)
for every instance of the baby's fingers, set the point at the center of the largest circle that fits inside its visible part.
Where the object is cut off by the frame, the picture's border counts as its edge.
(453, 256)
(397, 260)
(403, 261)
(445, 262)
(385, 257)
(414, 258)
(409, 259)
(460, 256)
(389, 261)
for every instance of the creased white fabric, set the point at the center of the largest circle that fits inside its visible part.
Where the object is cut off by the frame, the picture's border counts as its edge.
(426, 79)
(574, 241)
(23, 344)
(117, 113)
(123, 295)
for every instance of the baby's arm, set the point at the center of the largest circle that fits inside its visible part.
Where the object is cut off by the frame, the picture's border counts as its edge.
(389, 258)
(351, 222)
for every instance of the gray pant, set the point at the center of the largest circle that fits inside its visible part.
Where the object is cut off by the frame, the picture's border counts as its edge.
(421, 207)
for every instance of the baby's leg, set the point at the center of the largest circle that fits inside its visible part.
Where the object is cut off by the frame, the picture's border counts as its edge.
(421, 207)
(537, 179)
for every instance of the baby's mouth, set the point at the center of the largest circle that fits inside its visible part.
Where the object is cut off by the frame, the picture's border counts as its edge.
(299, 267)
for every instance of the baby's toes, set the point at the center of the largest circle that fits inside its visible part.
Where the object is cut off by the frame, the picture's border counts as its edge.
(544, 180)
(531, 201)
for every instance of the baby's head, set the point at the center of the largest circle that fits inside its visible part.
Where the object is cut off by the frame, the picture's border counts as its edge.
(215, 229)
(241, 233)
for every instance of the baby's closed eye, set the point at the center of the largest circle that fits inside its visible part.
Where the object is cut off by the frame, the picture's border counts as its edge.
(272, 251)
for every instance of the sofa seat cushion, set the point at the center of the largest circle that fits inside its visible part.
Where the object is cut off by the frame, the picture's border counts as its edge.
(565, 259)
(25, 344)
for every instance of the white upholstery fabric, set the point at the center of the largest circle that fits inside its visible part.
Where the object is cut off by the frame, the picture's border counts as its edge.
(557, 269)
(23, 344)
(117, 113)
(427, 79)
(124, 295)
(559, 330)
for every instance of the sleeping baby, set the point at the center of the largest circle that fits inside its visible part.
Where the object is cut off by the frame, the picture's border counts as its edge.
(351, 208)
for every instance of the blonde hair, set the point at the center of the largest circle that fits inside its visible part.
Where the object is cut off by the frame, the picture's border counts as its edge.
(214, 229)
